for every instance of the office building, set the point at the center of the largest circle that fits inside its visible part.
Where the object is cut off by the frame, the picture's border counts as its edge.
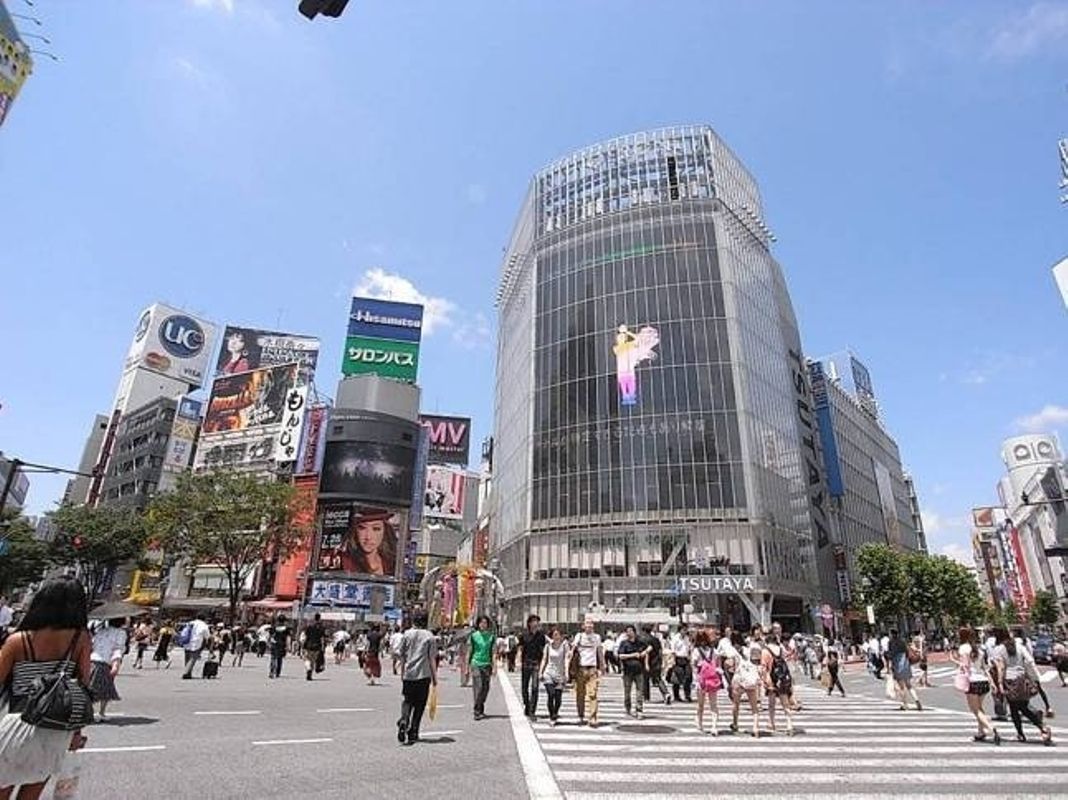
(77, 491)
(867, 492)
(16, 64)
(916, 514)
(653, 431)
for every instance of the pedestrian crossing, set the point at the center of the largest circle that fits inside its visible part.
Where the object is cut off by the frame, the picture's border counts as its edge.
(859, 746)
(943, 675)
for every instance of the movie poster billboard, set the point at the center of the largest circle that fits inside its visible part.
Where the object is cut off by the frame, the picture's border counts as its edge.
(247, 349)
(444, 497)
(250, 400)
(450, 439)
(361, 540)
(377, 472)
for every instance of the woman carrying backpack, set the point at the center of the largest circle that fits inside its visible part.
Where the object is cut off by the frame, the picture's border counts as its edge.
(709, 681)
(747, 682)
(52, 638)
(778, 681)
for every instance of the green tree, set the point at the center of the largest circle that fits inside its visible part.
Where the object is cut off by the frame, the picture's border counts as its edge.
(24, 559)
(925, 598)
(992, 615)
(962, 603)
(884, 581)
(228, 519)
(96, 540)
(1011, 613)
(1044, 608)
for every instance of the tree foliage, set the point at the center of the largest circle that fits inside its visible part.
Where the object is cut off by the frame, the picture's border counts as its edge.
(96, 540)
(25, 558)
(934, 588)
(228, 519)
(1044, 608)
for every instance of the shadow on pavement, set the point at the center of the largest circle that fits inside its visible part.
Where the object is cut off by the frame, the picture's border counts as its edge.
(122, 722)
(437, 740)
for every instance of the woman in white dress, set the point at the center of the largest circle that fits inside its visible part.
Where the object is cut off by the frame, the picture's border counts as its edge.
(52, 636)
(109, 644)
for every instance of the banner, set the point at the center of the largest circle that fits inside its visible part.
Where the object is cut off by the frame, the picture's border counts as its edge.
(361, 540)
(287, 443)
(240, 449)
(314, 435)
(450, 439)
(375, 597)
(385, 319)
(382, 357)
(247, 349)
(183, 435)
(415, 518)
(249, 400)
(885, 488)
(444, 493)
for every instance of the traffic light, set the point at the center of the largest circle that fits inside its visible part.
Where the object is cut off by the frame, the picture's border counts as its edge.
(328, 8)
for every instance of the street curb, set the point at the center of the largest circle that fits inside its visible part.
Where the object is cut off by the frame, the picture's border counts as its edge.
(541, 783)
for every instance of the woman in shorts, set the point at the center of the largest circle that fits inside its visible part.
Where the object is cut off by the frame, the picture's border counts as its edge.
(974, 680)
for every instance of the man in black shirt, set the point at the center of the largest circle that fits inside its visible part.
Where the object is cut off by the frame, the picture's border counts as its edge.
(634, 659)
(280, 634)
(532, 646)
(372, 661)
(314, 637)
(656, 663)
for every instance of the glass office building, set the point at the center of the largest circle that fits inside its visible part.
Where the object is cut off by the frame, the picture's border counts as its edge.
(654, 441)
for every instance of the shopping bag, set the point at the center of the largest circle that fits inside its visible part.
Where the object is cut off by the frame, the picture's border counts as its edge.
(432, 703)
(961, 680)
(890, 689)
(825, 678)
(65, 782)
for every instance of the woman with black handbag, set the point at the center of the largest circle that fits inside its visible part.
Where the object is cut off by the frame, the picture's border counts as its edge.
(1017, 686)
(52, 643)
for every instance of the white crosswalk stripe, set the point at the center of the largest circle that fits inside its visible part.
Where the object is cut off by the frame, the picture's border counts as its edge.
(854, 744)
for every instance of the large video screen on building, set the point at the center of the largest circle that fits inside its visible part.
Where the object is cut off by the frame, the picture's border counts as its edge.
(370, 471)
(634, 407)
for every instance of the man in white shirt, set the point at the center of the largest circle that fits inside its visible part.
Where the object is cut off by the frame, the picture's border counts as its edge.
(875, 656)
(7, 614)
(591, 665)
(395, 640)
(682, 677)
(198, 638)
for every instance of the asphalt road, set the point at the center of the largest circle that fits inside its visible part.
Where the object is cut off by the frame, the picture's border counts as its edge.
(335, 737)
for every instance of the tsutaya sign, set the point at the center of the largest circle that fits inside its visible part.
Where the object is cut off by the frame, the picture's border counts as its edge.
(721, 584)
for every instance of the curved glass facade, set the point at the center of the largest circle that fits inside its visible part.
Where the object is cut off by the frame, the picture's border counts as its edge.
(647, 402)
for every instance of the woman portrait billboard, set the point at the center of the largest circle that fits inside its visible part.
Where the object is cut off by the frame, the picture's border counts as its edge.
(360, 540)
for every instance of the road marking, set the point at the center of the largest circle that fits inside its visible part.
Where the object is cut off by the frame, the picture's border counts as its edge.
(845, 764)
(341, 710)
(1048, 677)
(132, 749)
(291, 741)
(811, 778)
(459, 706)
(227, 713)
(540, 781)
(424, 734)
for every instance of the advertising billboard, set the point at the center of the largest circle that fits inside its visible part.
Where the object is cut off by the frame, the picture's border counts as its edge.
(287, 443)
(828, 440)
(372, 471)
(183, 435)
(246, 349)
(238, 450)
(415, 517)
(386, 319)
(885, 487)
(249, 400)
(314, 436)
(383, 357)
(172, 343)
(361, 540)
(444, 493)
(375, 597)
(450, 439)
(293, 570)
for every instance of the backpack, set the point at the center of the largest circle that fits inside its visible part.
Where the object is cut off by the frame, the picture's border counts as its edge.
(185, 635)
(708, 675)
(57, 701)
(781, 679)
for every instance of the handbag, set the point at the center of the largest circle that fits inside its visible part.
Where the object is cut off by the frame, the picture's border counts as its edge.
(914, 655)
(889, 689)
(574, 665)
(962, 680)
(1020, 690)
(432, 702)
(825, 678)
(58, 701)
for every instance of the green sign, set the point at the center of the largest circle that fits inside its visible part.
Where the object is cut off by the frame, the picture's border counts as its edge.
(386, 358)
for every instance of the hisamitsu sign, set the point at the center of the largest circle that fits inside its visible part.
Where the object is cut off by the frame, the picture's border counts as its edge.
(385, 319)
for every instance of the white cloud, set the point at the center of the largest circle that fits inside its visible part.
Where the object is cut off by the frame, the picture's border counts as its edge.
(226, 6)
(959, 552)
(1043, 26)
(474, 334)
(377, 283)
(932, 522)
(1049, 418)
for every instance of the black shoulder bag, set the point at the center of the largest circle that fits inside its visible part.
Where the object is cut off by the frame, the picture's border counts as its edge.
(58, 701)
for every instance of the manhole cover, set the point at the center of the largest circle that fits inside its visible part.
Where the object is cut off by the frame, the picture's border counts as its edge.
(653, 729)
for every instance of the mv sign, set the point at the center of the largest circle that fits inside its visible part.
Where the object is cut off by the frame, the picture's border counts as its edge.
(450, 439)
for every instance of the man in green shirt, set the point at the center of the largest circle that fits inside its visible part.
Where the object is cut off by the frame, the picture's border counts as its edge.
(482, 663)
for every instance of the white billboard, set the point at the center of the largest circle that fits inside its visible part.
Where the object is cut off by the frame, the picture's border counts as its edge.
(1060, 275)
(173, 343)
(885, 486)
(444, 497)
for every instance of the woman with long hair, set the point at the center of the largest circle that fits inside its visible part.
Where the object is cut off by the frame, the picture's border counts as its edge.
(1016, 685)
(973, 679)
(553, 672)
(748, 682)
(709, 680)
(52, 636)
(374, 544)
(777, 681)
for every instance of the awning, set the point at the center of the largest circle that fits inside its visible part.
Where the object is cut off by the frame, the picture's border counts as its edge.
(271, 604)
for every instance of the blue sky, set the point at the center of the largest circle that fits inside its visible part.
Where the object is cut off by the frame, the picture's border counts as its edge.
(230, 158)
